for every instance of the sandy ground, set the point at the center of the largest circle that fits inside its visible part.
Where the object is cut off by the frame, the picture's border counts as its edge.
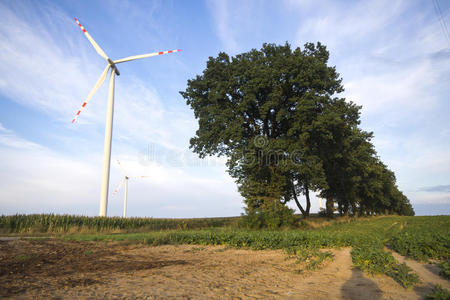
(57, 269)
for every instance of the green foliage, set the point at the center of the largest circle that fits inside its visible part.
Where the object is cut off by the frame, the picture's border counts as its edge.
(271, 215)
(424, 238)
(445, 269)
(439, 293)
(310, 257)
(276, 115)
(417, 237)
(372, 260)
(366, 236)
(403, 275)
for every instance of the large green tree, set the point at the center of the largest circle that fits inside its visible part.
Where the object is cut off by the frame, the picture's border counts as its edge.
(275, 114)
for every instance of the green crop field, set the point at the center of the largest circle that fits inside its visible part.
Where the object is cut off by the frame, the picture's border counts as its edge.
(420, 238)
(371, 239)
(45, 224)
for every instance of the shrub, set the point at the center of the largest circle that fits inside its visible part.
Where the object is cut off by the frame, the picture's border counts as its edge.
(272, 215)
(439, 293)
(445, 269)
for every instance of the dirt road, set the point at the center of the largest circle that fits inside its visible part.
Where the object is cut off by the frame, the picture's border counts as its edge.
(66, 270)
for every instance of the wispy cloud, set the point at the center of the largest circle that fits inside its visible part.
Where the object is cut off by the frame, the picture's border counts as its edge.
(395, 63)
(436, 188)
(234, 21)
(54, 76)
(10, 140)
(224, 25)
(39, 71)
(2, 128)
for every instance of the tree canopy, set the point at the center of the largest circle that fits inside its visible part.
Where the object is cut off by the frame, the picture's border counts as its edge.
(276, 115)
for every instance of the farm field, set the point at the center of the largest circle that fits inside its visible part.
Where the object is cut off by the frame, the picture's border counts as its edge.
(346, 259)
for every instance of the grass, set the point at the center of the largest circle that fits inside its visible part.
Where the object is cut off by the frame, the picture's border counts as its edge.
(23, 257)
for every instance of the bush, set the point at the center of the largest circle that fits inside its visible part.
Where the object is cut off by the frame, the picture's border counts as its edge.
(445, 269)
(273, 215)
(439, 293)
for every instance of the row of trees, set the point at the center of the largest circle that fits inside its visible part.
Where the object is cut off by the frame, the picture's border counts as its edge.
(275, 114)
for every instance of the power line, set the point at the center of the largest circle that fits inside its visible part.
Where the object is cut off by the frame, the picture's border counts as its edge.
(438, 11)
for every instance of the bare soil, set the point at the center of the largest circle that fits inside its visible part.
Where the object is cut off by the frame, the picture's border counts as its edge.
(58, 269)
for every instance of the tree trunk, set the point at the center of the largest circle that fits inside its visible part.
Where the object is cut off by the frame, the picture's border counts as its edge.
(298, 203)
(308, 201)
(330, 207)
(354, 210)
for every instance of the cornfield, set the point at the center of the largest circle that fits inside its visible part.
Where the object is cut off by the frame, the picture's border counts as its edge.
(50, 223)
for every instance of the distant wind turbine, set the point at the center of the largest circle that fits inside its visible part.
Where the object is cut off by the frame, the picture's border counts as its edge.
(109, 115)
(125, 180)
(321, 207)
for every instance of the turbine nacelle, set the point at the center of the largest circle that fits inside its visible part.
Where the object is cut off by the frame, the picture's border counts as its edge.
(113, 66)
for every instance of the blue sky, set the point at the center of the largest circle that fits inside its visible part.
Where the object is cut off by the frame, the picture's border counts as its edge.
(393, 56)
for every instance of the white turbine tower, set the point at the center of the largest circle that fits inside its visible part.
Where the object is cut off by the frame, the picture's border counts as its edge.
(125, 180)
(110, 111)
(321, 207)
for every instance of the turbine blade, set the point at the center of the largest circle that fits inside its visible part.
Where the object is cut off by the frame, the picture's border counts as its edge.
(121, 168)
(138, 177)
(119, 186)
(97, 85)
(144, 56)
(89, 37)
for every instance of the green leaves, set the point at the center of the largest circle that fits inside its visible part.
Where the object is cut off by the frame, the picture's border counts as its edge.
(289, 97)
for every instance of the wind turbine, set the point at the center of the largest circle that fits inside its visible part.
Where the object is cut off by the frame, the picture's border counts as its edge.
(110, 110)
(125, 180)
(321, 207)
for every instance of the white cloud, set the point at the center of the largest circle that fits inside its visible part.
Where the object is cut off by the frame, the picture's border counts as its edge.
(429, 198)
(340, 23)
(54, 76)
(393, 59)
(2, 129)
(395, 63)
(10, 140)
(224, 25)
(35, 179)
(234, 21)
(38, 71)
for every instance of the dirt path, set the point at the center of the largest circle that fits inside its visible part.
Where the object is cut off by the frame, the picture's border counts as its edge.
(66, 270)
